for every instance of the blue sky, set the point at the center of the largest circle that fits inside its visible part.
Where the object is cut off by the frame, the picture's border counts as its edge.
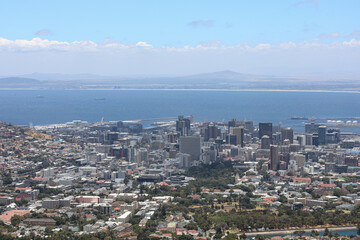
(139, 31)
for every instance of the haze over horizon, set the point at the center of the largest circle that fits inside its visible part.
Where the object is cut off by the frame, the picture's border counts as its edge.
(142, 38)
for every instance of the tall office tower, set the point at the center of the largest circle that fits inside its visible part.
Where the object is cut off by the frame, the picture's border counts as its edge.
(239, 133)
(231, 139)
(231, 123)
(172, 137)
(274, 157)
(334, 134)
(308, 139)
(315, 140)
(265, 129)
(141, 156)
(322, 135)
(300, 159)
(119, 126)
(211, 132)
(311, 127)
(301, 139)
(265, 142)
(287, 133)
(191, 145)
(249, 127)
(183, 126)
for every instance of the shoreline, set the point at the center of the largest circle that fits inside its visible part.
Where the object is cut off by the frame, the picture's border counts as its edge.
(319, 229)
(185, 89)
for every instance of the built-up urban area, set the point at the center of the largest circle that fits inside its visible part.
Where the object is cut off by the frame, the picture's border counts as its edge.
(178, 180)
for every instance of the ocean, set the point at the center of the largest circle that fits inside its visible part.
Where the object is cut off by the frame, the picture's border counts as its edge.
(42, 107)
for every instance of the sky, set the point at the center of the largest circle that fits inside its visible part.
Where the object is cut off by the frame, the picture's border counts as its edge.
(153, 37)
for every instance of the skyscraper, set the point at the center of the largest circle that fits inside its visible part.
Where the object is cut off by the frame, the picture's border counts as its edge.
(142, 156)
(274, 157)
(287, 133)
(265, 129)
(322, 135)
(211, 131)
(239, 133)
(265, 142)
(311, 127)
(183, 126)
(249, 126)
(191, 145)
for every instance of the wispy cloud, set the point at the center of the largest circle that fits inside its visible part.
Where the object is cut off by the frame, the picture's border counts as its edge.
(43, 32)
(38, 44)
(210, 44)
(355, 33)
(201, 23)
(314, 3)
(111, 57)
(327, 36)
(143, 44)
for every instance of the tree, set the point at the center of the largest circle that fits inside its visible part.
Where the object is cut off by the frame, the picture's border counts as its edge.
(16, 220)
(7, 179)
(326, 232)
(191, 226)
(299, 233)
(48, 230)
(243, 236)
(338, 192)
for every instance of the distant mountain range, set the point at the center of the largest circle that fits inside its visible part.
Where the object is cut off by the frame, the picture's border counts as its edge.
(216, 80)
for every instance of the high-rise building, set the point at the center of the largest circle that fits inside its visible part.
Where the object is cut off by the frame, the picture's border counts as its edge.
(322, 135)
(141, 156)
(287, 133)
(265, 142)
(333, 135)
(274, 157)
(249, 127)
(239, 133)
(231, 123)
(183, 126)
(231, 139)
(211, 132)
(172, 138)
(265, 129)
(311, 127)
(191, 145)
(315, 140)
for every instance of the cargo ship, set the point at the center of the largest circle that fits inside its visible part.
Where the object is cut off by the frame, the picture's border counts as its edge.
(298, 118)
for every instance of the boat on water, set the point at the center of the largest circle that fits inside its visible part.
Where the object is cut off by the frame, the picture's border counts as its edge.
(39, 96)
(298, 118)
(100, 98)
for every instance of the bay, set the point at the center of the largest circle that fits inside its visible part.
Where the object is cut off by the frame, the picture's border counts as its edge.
(59, 106)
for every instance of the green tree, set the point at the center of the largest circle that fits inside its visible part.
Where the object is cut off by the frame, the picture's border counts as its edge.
(299, 233)
(16, 220)
(243, 236)
(191, 226)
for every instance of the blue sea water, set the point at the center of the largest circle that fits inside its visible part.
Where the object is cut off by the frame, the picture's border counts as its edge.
(60, 106)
